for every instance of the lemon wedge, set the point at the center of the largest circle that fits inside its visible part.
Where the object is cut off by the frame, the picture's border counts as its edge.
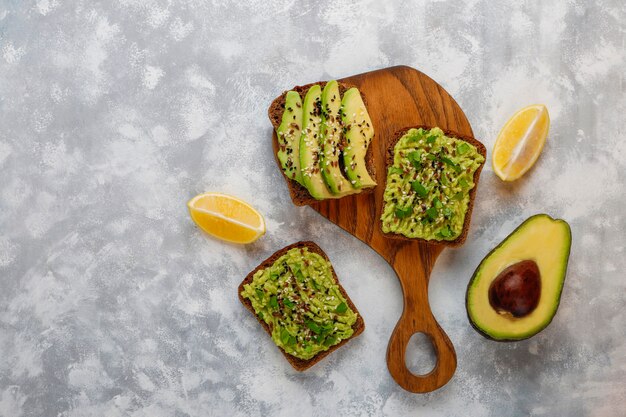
(226, 217)
(520, 142)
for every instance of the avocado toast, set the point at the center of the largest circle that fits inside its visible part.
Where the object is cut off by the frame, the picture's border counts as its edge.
(306, 316)
(327, 155)
(431, 182)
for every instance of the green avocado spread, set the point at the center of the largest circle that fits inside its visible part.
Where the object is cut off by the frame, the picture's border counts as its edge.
(428, 185)
(300, 301)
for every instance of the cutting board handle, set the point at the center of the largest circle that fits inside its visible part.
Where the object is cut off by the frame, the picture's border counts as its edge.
(417, 317)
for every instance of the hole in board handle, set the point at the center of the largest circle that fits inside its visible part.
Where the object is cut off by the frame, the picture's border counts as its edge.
(420, 357)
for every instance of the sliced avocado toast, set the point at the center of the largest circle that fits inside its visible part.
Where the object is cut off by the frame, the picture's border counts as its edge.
(321, 163)
(297, 298)
(516, 289)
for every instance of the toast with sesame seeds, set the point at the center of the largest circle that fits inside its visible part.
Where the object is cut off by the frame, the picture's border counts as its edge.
(468, 214)
(298, 363)
(300, 196)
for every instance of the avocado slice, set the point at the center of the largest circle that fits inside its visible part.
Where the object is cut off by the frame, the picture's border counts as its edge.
(331, 130)
(358, 135)
(289, 137)
(515, 291)
(310, 144)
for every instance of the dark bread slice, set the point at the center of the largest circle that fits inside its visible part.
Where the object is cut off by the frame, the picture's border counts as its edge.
(299, 194)
(297, 363)
(468, 215)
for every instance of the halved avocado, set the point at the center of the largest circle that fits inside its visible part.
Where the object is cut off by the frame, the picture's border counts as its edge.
(515, 291)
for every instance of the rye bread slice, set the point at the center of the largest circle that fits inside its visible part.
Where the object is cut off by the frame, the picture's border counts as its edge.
(297, 363)
(299, 194)
(468, 215)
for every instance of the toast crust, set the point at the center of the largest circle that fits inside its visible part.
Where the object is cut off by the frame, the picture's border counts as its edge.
(300, 195)
(468, 214)
(297, 363)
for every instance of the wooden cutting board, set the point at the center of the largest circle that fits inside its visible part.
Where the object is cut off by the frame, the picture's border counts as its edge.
(399, 97)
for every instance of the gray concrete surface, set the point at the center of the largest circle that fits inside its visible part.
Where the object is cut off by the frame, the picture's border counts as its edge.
(114, 113)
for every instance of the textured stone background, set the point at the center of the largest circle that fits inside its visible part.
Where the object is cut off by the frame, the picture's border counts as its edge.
(114, 113)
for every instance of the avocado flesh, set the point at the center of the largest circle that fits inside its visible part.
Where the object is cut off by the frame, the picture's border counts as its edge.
(289, 137)
(545, 241)
(358, 135)
(331, 139)
(310, 144)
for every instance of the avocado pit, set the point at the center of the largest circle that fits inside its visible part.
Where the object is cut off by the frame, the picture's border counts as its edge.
(517, 289)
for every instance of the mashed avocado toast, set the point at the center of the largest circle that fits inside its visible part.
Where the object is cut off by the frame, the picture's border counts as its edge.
(431, 180)
(297, 298)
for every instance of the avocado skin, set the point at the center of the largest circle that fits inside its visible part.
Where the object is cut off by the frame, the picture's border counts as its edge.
(558, 298)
